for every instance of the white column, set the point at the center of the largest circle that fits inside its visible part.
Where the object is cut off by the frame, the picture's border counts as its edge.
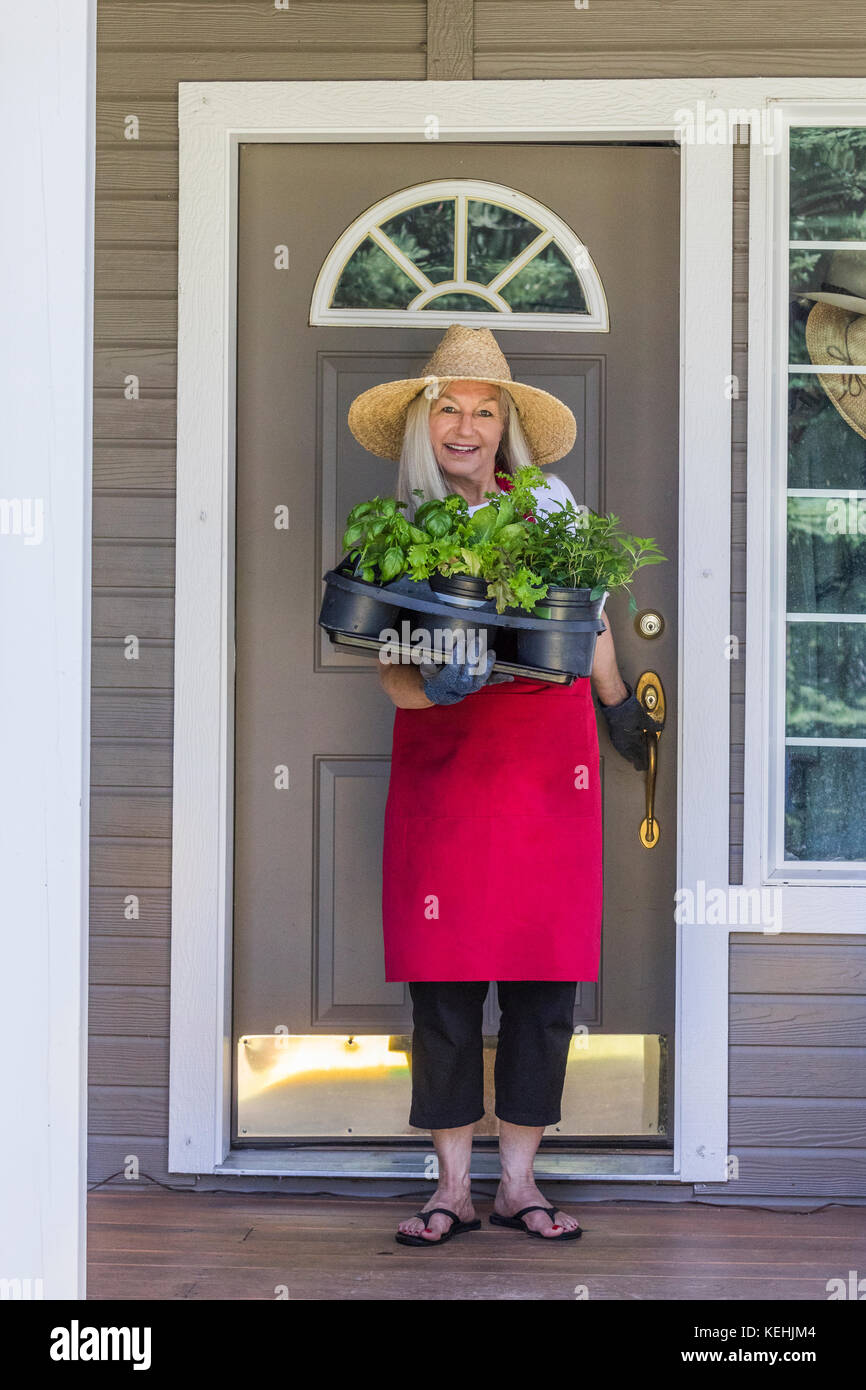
(46, 233)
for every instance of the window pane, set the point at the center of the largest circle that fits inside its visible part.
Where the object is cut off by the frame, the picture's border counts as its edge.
(372, 280)
(826, 669)
(495, 236)
(547, 285)
(826, 556)
(828, 183)
(823, 448)
(458, 302)
(425, 234)
(824, 803)
(816, 271)
(802, 275)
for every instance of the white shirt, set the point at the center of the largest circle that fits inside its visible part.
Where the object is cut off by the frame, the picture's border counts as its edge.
(546, 497)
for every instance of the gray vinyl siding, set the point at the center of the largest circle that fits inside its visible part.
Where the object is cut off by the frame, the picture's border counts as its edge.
(807, 1141)
(143, 51)
(796, 1067)
(643, 38)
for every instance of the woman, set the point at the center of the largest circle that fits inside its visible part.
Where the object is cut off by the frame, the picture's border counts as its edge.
(492, 854)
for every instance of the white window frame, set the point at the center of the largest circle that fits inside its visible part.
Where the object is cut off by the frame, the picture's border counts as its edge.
(501, 316)
(776, 870)
(214, 117)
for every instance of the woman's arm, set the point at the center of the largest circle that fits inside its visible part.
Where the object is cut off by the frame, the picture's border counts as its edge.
(606, 679)
(402, 682)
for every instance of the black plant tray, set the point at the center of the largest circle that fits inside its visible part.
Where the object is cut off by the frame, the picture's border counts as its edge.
(350, 641)
(417, 595)
(384, 606)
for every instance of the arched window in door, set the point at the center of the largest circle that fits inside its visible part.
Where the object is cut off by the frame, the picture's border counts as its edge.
(460, 251)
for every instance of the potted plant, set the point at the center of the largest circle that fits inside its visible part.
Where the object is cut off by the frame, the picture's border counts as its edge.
(477, 557)
(580, 557)
(467, 559)
(383, 546)
(457, 553)
(375, 539)
(554, 567)
(481, 563)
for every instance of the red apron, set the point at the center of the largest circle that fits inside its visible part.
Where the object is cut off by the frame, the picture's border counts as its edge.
(492, 860)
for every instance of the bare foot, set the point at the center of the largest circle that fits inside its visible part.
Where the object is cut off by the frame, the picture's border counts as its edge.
(458, 1201)
(512, 1198)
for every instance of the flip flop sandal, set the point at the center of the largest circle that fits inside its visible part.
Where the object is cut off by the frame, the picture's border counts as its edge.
(456, 1228)
(516, 1223)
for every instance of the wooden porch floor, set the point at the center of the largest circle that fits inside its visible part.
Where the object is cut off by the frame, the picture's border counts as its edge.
(154, 1244)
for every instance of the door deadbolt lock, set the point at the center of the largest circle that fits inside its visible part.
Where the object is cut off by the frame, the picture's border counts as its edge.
(648, 623)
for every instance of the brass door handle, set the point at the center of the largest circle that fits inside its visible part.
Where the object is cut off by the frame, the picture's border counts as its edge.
(650, 692)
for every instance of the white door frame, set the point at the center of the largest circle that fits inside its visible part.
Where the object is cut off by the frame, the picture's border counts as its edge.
(214, 117)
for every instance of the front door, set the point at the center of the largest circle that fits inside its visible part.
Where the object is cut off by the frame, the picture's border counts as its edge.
(321, 1043)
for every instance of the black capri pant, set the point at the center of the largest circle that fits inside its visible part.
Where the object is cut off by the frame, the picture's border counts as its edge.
(535, 1031)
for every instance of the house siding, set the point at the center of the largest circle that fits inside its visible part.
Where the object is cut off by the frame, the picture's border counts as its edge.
(142, 53)
(796, 1067)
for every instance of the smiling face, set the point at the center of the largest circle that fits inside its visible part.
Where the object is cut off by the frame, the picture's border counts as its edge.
(466, 425)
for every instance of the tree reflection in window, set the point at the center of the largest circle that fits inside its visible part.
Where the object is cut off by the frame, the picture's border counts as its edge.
(496, 236)
(425, 234)
(828, 183)
(372, 274)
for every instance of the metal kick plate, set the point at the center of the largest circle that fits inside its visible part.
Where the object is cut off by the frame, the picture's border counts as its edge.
(359, 1086)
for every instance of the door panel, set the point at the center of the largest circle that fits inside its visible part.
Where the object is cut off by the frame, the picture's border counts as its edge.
(312, 726)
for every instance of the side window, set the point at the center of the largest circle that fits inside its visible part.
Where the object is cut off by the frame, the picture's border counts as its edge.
(825, 540)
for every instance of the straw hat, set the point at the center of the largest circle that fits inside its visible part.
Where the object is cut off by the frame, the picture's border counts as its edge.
(845, 285)
(377, 418)
(835, 336)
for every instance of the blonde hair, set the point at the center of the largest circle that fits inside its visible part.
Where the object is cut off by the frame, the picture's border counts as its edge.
(419, 467)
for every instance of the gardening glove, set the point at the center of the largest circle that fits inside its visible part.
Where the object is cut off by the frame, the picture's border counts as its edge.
(447, 682)
(627, 723)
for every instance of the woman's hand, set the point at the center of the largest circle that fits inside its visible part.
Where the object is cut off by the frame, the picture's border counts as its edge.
(403, 683)
(447, 682)
(629, 725)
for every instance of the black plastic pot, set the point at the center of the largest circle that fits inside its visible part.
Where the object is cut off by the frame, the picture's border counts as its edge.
(463, 590)
(366, 612)
(551, 648)
(466, 591)
(475, 632)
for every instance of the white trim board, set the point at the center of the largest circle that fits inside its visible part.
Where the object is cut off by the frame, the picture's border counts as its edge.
(46, 401)
(214, 117)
